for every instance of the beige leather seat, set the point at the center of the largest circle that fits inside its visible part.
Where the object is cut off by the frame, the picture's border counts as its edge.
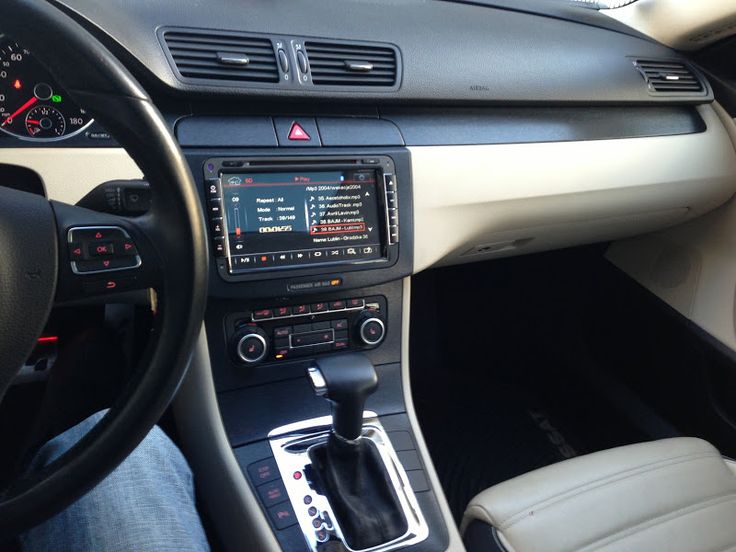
(670, 495)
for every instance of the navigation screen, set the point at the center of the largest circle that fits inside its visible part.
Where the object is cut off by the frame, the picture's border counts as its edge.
(279, 219)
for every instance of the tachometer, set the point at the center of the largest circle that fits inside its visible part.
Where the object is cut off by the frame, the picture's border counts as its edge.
(32, 105)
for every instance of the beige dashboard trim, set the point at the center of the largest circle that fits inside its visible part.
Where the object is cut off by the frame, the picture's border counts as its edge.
(691, 267)
(481, 202)
(68, 174)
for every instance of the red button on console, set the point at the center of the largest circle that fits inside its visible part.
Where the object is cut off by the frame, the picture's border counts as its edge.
(298, 133)
(262, 314)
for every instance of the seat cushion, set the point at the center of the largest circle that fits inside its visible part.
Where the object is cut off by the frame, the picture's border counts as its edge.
(674, 494)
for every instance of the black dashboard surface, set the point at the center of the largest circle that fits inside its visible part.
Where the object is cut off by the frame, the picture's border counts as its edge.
(450, 52)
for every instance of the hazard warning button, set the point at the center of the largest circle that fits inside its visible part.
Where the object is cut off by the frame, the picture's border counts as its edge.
(297, 132)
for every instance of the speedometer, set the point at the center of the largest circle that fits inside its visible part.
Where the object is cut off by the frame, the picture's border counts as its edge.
(32, 105)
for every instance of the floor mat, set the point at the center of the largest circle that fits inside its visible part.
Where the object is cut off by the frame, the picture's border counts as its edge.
(474, 446)
(511, 388)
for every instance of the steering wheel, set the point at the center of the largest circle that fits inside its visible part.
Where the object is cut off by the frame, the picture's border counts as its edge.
(169, 243)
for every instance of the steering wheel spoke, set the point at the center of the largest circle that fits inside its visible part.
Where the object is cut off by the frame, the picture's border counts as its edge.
(102, 254)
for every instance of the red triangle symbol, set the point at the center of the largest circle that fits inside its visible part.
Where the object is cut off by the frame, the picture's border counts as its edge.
(298, 133)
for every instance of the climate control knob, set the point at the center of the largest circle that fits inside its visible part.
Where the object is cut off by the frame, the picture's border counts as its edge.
(371, 330)
(250, 345)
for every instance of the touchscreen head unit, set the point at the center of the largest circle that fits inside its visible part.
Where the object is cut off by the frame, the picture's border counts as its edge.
(277, 217)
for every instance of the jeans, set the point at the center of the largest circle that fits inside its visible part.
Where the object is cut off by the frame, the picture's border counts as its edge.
(145, 505)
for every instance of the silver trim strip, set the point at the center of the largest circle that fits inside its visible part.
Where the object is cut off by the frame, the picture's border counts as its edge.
(76, 270)
(291, 445)
(328, 311)
(292, 346)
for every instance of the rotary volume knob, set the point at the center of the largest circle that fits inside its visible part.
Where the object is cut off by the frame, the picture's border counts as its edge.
(370, 329)
(250, 345)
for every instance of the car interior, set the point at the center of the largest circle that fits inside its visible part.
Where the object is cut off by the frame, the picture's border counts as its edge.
(417, 275)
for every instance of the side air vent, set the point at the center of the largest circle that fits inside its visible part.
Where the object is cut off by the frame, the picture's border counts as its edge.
(340, 64)
(233, 57)
(669, 77)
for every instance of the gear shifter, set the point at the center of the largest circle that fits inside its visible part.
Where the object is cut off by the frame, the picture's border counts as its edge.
(350, 467)
(346, 381)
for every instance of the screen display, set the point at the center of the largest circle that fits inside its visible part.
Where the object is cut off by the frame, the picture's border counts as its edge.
(277, 219)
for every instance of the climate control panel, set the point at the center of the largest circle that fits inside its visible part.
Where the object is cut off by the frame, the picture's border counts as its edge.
(279, 333)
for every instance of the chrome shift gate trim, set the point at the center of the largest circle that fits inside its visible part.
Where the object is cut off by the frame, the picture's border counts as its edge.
(291, 445)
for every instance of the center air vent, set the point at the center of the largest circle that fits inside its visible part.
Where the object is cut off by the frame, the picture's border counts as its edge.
(669, 77)
(344, 64)
(233, 57)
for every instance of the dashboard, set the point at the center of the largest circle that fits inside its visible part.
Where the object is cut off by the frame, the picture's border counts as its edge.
(339, 147)
(545, 126)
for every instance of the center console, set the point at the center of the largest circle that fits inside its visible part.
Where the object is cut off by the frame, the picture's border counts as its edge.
(309, 250)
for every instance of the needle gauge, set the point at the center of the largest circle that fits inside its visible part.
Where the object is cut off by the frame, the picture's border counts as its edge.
(32, 104)
(45, 122)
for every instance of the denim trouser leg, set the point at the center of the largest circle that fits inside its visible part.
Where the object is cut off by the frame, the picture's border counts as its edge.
(145, 505)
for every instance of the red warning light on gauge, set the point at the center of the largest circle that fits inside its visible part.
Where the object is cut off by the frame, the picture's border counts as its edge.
(17, 84)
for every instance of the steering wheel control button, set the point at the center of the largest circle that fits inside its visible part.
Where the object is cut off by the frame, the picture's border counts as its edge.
(93, 250)
(76, 252)
(300, 132)
(282, 515)
(111, 285)
(263, 471)
(101, 249)
(127, 247)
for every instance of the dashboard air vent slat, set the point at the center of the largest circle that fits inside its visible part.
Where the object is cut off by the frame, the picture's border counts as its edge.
(206, 56)
(351, 64)
(666, 76)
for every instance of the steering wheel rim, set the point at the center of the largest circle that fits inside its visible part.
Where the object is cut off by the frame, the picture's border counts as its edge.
(173, 234)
